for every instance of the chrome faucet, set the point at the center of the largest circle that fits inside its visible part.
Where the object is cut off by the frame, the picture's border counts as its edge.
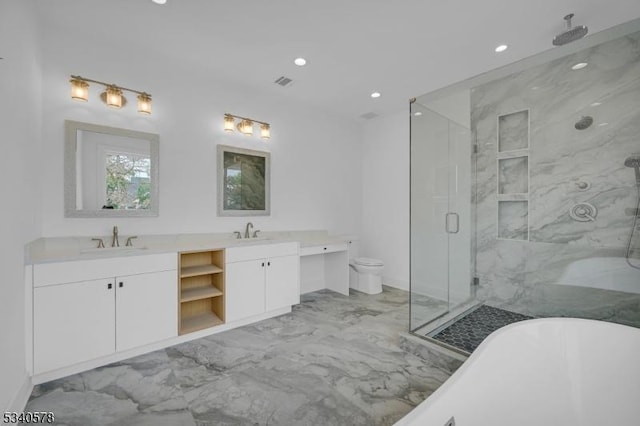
(114, 240)
(247, 233)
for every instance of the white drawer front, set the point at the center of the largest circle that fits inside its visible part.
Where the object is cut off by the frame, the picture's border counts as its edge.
(262, 251)
(328, 248)
(82, 270)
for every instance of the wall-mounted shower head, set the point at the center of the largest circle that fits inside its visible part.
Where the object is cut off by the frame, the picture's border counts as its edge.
(634, 162)
(584, 122)
(571, 34)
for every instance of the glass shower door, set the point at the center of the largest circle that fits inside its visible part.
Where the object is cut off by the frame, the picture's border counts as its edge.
(440, 216)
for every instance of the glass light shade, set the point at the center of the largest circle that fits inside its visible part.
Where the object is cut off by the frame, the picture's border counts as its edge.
(265, 131)
(246, 127)
(144, 103)
(229, 123)
(79, 90)
(114, 97)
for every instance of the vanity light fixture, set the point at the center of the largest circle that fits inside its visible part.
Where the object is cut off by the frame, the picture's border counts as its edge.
(265, 131)
(245, 126)
(112, 96)
(144, 103)
(79, 90)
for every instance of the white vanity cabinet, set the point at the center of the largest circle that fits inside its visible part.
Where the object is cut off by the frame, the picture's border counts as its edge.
(83, 310)
(261, 278)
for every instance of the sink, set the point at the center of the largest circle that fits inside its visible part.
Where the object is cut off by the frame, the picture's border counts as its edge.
(112, 250)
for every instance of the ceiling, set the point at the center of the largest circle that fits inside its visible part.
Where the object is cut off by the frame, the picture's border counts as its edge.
(401, 48)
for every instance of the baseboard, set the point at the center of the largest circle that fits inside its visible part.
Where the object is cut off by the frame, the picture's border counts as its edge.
(395, 283)
(22, 396)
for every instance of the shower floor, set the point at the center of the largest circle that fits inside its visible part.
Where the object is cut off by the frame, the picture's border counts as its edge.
(467, 332)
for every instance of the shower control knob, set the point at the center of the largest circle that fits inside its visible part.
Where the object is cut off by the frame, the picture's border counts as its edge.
(583, 186)
(583, 212)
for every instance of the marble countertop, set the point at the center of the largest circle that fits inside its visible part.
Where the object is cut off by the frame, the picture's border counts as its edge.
(63, 249)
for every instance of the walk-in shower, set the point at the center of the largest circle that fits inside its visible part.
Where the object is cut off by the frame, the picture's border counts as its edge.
(521, 197)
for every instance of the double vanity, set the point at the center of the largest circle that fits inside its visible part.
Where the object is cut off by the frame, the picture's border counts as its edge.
(94, 306)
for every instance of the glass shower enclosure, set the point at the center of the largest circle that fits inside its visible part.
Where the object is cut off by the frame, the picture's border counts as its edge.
(523, 188)
(442, 232)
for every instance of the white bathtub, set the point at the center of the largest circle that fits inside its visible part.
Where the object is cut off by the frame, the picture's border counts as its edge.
(543, 372)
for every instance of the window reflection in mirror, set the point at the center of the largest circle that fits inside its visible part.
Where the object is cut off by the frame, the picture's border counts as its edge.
(114, 172)
(110, 172)
(243, 182)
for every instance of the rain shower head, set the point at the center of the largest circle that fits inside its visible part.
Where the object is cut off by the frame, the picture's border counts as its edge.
(571, 34)
(634, 162)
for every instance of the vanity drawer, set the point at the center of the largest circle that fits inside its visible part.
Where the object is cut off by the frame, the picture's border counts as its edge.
(84, 270)
(321, 249)
(260, 251)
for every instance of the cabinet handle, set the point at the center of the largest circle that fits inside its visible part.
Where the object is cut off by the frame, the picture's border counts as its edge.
(263, 264)
(268, 263)
(109, 286)
(325, 248)
(120, 284)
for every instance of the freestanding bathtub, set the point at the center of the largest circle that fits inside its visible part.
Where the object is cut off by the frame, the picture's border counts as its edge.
(543, 372)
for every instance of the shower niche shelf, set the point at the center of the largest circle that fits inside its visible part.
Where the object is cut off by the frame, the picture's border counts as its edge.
(512, 186)
(202, 285)
(513, 131)
(513, 175)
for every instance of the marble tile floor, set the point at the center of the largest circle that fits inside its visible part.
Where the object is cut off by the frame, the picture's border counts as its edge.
(334, 360)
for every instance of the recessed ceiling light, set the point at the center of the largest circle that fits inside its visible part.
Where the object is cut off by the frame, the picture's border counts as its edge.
(579, 66)
(159, 1)
(535, 88)
(300, 62)
(375, 95)
(417, 114)
(603, 124)
(595, 104)
(501, 48)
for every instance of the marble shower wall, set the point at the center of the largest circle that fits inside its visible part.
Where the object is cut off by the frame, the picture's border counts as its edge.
(525, 274)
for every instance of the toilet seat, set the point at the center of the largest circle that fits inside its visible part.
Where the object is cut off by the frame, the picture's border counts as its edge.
(366, 261)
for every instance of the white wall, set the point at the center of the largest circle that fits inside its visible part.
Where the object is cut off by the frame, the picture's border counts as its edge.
(20, 124)
(315, 157)
(385, 195)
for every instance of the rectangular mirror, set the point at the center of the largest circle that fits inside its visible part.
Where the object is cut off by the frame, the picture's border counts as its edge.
(110, 172)
(243, 182)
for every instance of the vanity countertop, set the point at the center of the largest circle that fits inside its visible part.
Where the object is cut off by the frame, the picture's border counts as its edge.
(64, 249)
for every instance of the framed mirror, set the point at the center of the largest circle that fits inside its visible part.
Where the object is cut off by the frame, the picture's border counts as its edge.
(243, 182)
(110, 172)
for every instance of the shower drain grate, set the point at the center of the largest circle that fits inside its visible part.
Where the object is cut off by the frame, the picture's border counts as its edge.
(469, 331)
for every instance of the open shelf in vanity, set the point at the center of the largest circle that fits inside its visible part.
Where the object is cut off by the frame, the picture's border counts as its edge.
(202, 290)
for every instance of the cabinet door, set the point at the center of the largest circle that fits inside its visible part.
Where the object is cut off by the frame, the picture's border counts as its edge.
(244, 289)
(146, 309)
(73, 323)
(283, 282)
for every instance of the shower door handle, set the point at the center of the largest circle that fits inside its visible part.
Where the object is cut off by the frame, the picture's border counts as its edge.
(448, 223)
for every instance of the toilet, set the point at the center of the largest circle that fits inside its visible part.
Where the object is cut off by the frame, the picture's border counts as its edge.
(365, 274)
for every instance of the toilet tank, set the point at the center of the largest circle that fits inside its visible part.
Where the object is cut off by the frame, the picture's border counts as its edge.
(354, 245)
